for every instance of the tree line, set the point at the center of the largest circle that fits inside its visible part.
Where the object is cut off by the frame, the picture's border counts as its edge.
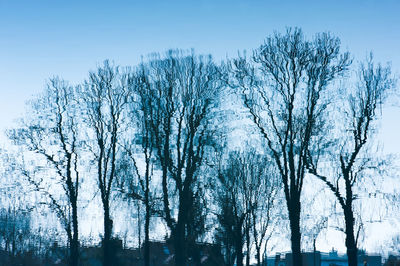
(155, 134)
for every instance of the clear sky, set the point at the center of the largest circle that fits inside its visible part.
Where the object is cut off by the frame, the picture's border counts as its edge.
(43, 38)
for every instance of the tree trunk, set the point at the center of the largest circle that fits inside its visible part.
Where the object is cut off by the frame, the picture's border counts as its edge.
(147, 227)
(258, 255)
(351, 244)
(139, 223)
(74, 247)
(315, 250)
(74, 253)
(239, 255)
(167, 210)
(239, 245)
(247, 242)
(179, 239)
(107, 252)
(180, 232)
(350, 239)
(294, 217)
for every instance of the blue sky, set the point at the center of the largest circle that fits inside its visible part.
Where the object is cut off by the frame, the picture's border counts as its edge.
(43, 38)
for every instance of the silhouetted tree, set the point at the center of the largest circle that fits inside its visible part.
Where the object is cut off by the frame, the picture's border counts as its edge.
(246, 196)
(15, 230)
(103, 97)
(50, 132)
(351, 152)
(184, 89)
(264, 214)
(227, 233)
(284, 88)
(196, 226)
(139, 148)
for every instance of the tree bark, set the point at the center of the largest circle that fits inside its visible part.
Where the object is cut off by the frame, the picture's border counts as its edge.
(294, 217)
(248, 242)
(180, 245)
(239, 254)
(350, 239)
(180, 234)
(258, 255)
(239, 245)
(351, 243)
(147, 225)
(107, 252)
(74, 247)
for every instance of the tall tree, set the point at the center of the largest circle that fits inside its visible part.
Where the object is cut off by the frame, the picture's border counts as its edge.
(51, 133)
(184, 87)
(265, 200)
(351, 153)
(245, 195)
(284, 87)
(139, 148)
(229, 233)
(104, 96)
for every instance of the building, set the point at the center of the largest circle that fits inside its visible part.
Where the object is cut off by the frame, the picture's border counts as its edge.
(324, 259)
(161, 253)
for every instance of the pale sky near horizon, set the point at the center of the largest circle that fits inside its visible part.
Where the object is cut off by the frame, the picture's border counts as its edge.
(45, 38)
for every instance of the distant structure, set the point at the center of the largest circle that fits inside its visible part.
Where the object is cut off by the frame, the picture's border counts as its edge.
(161, 253)
(325, 259)
(392, 261)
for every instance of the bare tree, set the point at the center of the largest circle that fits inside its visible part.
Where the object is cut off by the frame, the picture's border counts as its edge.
(284, 88)
(229, 233)
(184, 89)
(265, 199)
(51, 133)
(15, 229)
(104, 96)
(246, 196)
(233, 199)
(136, 182)
(353, 160)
